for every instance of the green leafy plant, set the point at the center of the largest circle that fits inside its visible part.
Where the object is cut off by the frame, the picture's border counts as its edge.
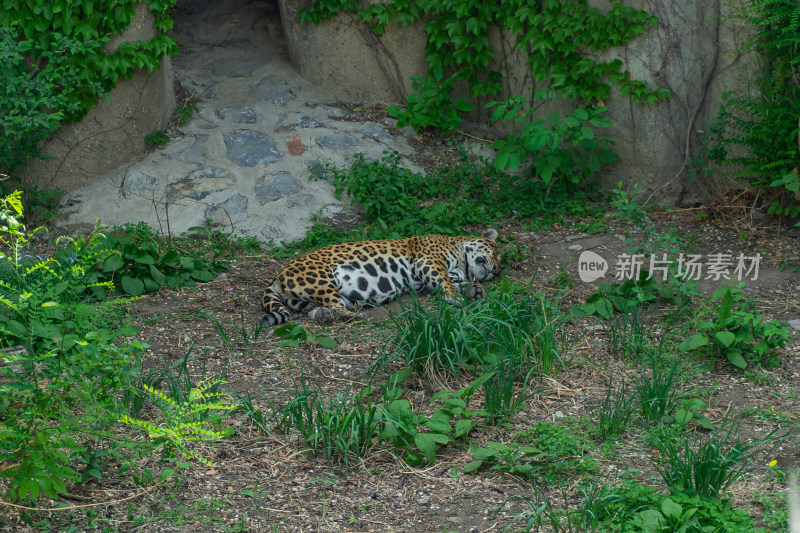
(63, 360)
(403, 429)
(145, 263)
(157, 138)
(458, 47)
(631, 506)
(507, 458)
(738, 332)
(501, 398)
(55, 65)
(559, 147)
(689, 412)
(432, 105)
(184, 421)
(294, 334)
(564, 449)
(657, 394)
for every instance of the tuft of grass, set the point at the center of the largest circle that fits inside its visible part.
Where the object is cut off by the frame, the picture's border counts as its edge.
(343, 428)
(705, 465)
(615, 411)
(657, 394)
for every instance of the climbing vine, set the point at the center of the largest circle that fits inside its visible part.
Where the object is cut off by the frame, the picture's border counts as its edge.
(560, 41)
(54, 68)
(757, 132)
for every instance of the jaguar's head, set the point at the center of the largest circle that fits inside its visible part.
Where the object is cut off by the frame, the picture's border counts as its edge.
(483, 256)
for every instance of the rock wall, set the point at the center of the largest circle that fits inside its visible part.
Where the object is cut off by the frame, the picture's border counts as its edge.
(692, 52)
(114, 130)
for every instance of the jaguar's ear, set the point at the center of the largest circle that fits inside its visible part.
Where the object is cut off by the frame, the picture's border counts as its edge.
(490, 234)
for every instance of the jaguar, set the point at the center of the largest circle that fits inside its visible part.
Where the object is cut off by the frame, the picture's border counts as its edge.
(334, 282)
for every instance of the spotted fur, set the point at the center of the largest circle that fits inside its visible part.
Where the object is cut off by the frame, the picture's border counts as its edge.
(336, 280)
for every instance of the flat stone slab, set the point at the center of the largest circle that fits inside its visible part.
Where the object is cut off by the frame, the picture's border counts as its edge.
(137, 184)
(228, 212)
(240, 114)
(274, 90)
(248, 148)
(273, 187)
(201, 183)
(339, 142)
(235, 68)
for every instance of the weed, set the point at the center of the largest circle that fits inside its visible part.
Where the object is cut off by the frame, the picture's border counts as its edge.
(250, 412)
(144, 263)
(209, 241)
(184, 421)
(702, 465)
(294, 334)
(157, 138)
(657, 395)
(342, 428)
(615, 411)
(501, 400)
(737, 331)
(507, 458)
(563, 449)
(564, 280)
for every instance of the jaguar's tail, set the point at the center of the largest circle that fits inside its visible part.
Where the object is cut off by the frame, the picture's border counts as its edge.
(275, 312)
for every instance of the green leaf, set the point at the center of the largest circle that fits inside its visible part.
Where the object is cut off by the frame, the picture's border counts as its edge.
(703, 422)
(150, 285)
(463, 427)
(483, 453)
(725, 307)
(15, 328)
(683, 416)
(651, 519)
(132, 286)
(112, 263)
(472, 466)
(327, 342)
(671, 509)
(157, 275)
(736, 359)
(694, 342)
(426, 444)
(144, 257)
(725, 338)
(604, 308)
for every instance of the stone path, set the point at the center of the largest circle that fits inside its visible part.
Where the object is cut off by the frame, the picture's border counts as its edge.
(245, 157)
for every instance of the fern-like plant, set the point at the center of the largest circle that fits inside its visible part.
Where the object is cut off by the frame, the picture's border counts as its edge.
(182, 423)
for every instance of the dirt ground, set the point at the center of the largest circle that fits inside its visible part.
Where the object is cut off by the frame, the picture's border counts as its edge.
(269, 483)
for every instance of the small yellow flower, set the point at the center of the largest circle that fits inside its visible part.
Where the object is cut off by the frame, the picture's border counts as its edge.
(773, 462)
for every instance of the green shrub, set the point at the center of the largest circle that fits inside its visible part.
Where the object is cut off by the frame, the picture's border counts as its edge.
(738, 332)
(757, 131)
(559, 147)
(144, 262)
(65, 359)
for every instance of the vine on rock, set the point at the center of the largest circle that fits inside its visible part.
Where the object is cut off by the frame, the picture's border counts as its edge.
(758, 132)
(54, 66)
(560, 40)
